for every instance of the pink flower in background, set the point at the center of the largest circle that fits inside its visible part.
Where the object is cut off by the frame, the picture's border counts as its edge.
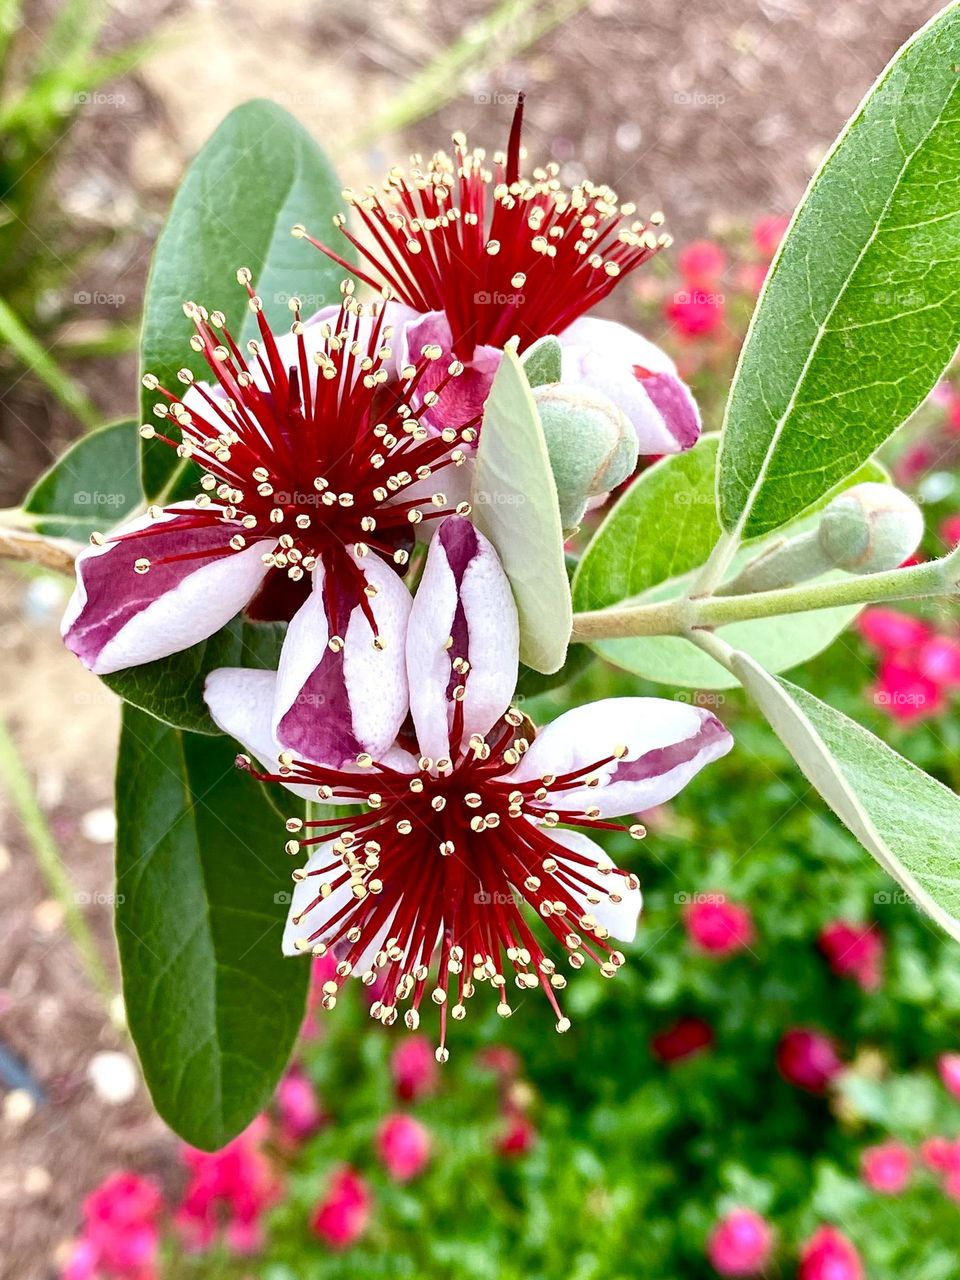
(229, 1189)
(940, 1154)
(504, 1062)
(938, 660)
(853, 951)
(889, 631)
(905, 693)
(887, 1168)
(518, 1138)
(808, 1059)
(767, 233)
(120, 1235)
(342, 1216)
(702, 262)
(299, 1113)
(695, 312)
(948, 1065)
(683, 1039)
(740, 1244)
(829, 1255)
(403, 1145)
(413, 1067)
(950, 531)
(717, 926)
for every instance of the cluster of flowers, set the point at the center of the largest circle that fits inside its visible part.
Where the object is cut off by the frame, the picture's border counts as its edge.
(322, 455)
(918, 668)
(743, 1242)
(228, 1193)
(805, 1057)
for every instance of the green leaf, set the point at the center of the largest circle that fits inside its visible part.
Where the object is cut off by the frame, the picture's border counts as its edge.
(172, 688)
(92, 486)
(860, 314)
(543, 362)
(213, 1006)
(515, 505)
(905, 818)
(258, 175)
(655, 536)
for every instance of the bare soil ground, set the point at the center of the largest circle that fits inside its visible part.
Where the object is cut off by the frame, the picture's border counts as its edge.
(708, 110)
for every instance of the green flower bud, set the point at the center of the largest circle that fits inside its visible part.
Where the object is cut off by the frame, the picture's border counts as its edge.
(592, 445)
(869, 528)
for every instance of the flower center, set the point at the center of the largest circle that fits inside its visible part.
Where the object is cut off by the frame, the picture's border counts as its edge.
(423, 893)
(500, 254)
(316, 448)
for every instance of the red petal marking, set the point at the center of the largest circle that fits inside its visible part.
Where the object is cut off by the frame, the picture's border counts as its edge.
(317, 458)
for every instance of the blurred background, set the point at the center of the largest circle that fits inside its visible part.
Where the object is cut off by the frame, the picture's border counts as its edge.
(770, 1083)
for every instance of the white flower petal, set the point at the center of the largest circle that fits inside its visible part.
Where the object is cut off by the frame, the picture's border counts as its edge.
(666, 743)
(464, 595)
(119, 618)
(638, 377)
(618, 918)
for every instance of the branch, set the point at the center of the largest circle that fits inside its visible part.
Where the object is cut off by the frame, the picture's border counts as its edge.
(58, 554)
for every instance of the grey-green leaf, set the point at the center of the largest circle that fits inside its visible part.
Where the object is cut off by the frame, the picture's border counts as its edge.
(860, 314)
(91, 487)
(906, 819)
(654, 537)
(258, 175)
(515, 505)
(213, 1006)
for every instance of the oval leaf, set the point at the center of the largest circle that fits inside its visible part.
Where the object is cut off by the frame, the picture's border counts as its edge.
(905, 818)
(515, 505)
(860, 314)
(657, 534)
(92, 486)
(213, 1006)
(258, 175)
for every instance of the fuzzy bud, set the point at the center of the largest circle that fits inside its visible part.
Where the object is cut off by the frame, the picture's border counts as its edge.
(869, 528)
(592, 446)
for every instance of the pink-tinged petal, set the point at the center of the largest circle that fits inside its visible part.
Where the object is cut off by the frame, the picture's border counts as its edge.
(120, 618)
(619, 917)
(638, 377)
(666, 743)
(333, 704)
(463, 597)
(466, 395)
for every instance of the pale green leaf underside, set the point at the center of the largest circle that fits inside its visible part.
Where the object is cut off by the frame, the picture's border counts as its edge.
(515, 505)
(92, 486)
(906, 819)
(861, 312)
(658, 533)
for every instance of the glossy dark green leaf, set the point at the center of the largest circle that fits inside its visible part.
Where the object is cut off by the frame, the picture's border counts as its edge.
(172, 688)
(258, 175)
(202, 892)
(860, 314)
(92, 486)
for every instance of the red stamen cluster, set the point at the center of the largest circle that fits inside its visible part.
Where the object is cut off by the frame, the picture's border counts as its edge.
(318, 458)
(442, 862)
(498, 253)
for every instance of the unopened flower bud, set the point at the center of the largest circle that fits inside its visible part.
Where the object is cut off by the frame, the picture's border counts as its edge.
(869, 528)
(592, 446)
